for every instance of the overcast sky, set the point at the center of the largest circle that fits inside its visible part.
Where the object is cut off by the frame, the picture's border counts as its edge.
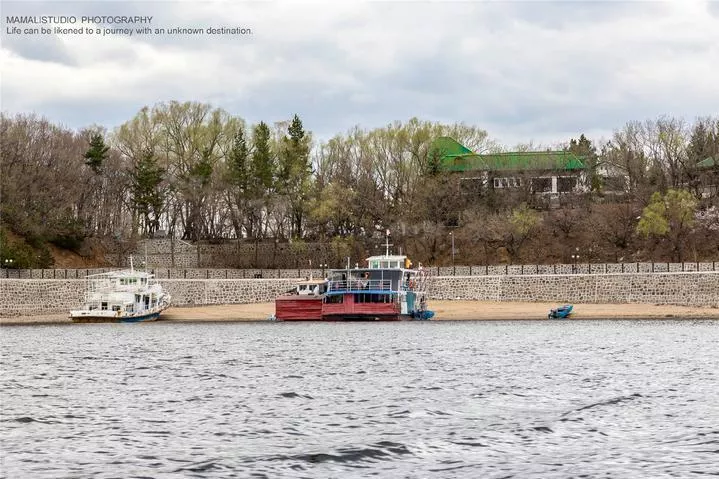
(523, 71)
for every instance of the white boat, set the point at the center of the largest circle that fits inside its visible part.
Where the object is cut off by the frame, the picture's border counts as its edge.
(125, 296)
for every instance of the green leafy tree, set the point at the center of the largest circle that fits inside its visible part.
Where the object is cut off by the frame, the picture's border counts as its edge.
(294, 173)
(669, 217)
(238, 177)
(148, 196)
(238, 161)
(97, 153)
(261, 180)
(583, 147)
(263, 164)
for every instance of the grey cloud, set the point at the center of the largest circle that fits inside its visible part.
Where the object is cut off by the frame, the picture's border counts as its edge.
(46, 48)
(507, 82)
(713, 8)
(569, 14)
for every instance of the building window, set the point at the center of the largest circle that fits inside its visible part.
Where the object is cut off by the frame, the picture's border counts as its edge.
(507, 182)
(565, 184)
(541, 185)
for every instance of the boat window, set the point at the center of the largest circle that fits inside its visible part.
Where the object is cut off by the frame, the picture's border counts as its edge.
(371, 298)
(374, 264)
(385, 264)
(115, 307)
(137, 298)
(334, 299)
(103, 306)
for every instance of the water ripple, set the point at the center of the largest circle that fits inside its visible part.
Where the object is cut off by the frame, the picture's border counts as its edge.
(429, 399)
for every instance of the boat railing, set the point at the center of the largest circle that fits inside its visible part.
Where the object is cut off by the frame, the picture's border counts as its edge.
(359, 284)
(416, 282)
(114, 284)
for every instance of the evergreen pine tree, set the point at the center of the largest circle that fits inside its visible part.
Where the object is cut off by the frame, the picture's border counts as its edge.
(262, 162)
(97, 153)
(147, 196)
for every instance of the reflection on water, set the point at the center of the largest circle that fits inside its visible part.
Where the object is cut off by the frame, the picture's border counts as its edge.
(417, 399)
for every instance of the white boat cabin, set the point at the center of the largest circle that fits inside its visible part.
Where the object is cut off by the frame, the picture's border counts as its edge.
(389, 262)
(312, 287)
(127, 291)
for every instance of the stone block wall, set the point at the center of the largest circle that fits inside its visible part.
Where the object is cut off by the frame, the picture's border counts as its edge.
(26, 297)
(29, 297)
(19, 297)
(689, 288)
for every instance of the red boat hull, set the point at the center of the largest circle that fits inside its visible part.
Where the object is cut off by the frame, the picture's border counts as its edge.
(298, 308)
(313, 308)
(349, 310)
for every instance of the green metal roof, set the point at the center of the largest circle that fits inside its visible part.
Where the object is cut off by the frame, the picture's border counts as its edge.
(446, 145)
(710, 162)
(455, 157)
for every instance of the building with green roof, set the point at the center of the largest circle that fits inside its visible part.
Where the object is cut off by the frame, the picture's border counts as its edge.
(548, 172)
(709, 168)
(711, 162)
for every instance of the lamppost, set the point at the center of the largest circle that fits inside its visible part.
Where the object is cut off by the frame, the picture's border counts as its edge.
(8, 264)
(323, 266)
(575, 259)
(454, 271)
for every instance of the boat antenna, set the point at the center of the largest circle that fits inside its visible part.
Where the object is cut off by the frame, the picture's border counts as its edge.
(310, 270)
(131, 268)
(145, 256)
(386, 243)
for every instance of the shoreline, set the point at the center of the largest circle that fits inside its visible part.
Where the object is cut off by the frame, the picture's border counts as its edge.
(444, 311)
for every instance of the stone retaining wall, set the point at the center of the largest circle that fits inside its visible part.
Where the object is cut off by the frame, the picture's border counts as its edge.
(691, 289)
(28, 297)
(35, 297)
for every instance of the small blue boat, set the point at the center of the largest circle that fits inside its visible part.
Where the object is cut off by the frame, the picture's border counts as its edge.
(561, 312)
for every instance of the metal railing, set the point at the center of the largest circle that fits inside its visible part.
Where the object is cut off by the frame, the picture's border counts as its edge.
(359, 284)
(472, 270)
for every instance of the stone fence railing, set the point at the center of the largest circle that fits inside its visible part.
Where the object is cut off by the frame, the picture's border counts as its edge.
(494, 270)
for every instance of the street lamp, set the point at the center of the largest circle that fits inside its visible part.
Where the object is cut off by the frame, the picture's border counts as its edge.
(8, 265)
(452, 236)
(323, 266)
(575, 259)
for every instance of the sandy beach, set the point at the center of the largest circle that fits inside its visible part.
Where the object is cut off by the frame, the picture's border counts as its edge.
(445, 311)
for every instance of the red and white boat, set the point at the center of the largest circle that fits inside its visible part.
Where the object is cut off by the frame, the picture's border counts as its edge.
(387, 289)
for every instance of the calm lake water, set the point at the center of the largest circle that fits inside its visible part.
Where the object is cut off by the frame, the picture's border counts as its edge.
(414, 399)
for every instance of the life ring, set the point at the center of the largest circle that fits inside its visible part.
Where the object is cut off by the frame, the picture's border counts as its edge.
(411, 284)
